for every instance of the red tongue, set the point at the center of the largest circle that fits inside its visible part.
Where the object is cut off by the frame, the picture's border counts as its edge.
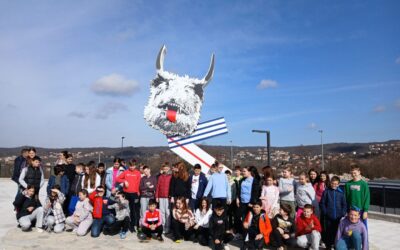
(171, 115)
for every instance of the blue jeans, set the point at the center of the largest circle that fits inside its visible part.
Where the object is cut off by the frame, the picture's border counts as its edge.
(97, 225)
(347, 242)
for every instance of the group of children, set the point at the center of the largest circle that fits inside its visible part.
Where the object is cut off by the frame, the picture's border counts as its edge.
(209, 210)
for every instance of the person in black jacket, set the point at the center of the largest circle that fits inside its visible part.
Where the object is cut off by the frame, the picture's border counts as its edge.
(75, 187)
(248, 192)
(29, 209)
(283, 229)
(18, 167)
(198, 182)
(32, 175)
(219, 227)
(180, 185)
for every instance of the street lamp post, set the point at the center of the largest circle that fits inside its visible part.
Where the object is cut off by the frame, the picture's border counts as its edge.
(267, 132)
(231, 155)
(322, 151)
(122, 146)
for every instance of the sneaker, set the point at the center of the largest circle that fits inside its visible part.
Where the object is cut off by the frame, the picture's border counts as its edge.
(322, 244)
(122, 235)
(178, 241)
(226, 247)
(39, 230)
(142, 236)
(74, 230)
(160, 238)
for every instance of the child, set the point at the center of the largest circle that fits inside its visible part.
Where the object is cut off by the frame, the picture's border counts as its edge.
(352, 233)
(257, 228)
(102, 173)
(111, 177)
(232, 208)
(102, 217)
(76, 187)
(182, 220)
(283, 233)
(219, 227)
(92, 179)
(305, 194)
(308, 229)
(287, 188)
(333, 208)
(81, 220)
(219, 186)
(202, 217)
(162, 196)
(320, 186)
(32, 175)
(152, 222)
(148, 185)
(54, 217)
(357, 193)
(198, 182)
(58, 179)
(131, 181)
(122, 214)
(270, 197)
(29, 209)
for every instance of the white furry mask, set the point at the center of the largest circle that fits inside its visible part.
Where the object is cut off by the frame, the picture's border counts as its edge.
(175, 101)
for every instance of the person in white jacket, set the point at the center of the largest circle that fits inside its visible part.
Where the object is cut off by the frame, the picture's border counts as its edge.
(305, 194)
(202, 217)
(91, 179)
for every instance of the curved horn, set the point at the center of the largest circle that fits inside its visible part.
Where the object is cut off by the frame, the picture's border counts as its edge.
(210, 72)
(160, 58)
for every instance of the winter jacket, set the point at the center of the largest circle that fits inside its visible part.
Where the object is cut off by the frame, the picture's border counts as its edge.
(218, 225)
(64, 184)
(346, 228)
(319, 188)
(152, 218)
(76, 185)
(163, 184)
(83, 210)
(121, 209)
(17, 168)
(333, 203)
(22, 202)
(109, 179)
(148, 186)
(202, 185)
(31, 176)
(218, 185)
(255, 190)
(305, 194)
(55, 209)
(99, 204)
(69, 171)
(303, 223)
(288, 226)
(261, 222)
(133, 179)
(179, 187)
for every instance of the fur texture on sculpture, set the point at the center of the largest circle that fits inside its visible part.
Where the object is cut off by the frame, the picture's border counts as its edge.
(175, 101)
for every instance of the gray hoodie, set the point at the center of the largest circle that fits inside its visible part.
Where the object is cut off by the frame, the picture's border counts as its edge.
(305, 195)
(284, 185)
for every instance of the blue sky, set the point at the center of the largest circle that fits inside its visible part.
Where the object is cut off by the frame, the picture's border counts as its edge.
(293, 67)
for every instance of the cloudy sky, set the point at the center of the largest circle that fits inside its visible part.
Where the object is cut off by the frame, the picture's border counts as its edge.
(77, 73)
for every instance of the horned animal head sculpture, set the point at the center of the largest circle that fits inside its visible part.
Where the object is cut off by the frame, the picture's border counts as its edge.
(175, 101)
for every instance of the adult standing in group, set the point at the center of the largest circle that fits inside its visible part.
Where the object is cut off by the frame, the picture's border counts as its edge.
(218, 185)
(17, 167)
(131, 181)
(148, 185)
(248, 191)
(180, 185)
(111, 177)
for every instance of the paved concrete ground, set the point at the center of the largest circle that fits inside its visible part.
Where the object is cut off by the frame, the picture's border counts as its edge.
(383, 235)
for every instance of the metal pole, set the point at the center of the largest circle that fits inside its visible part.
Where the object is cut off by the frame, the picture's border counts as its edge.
(231, 156)
(269, 147)
(322, 152)
(122, 146)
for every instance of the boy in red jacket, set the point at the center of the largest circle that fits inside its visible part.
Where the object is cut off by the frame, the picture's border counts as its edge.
(131, 181)
(152, 222)
(308, 229)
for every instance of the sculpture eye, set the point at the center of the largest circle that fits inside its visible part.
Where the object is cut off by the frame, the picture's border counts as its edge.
(198, 89)
(159, 80)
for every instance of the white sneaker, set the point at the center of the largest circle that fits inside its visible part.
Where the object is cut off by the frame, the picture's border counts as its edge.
(226, 247)
(39, 230)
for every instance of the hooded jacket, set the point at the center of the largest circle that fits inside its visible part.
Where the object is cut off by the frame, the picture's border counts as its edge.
(202, 185)
(333, 203)
(307, 225)
(218, 225)
(22, 202)
(261, 222)
(305, 194)
(346, 228)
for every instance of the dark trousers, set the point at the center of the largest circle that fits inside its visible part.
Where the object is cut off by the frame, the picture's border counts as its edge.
(241, 213)
(252, 243)
(277, 239)
(202, 235)
(216, 201)
(330, 230)
(120, 226)
(232, 216)
(224, 239)
(194, 204)
(134, 207)
(148, 232)
(179, 231)
(98, 224)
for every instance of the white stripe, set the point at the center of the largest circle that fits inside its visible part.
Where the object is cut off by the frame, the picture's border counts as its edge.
(203, 125)
(200, 137)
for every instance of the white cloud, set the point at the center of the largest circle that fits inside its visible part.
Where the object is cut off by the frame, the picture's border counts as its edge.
(379, 109)
(108, 109)
(398, 60)
(312, 125)
(266, 83)
(78, 114)
(115, 85)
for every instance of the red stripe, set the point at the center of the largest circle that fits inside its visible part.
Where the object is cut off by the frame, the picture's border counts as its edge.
(190, 152)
